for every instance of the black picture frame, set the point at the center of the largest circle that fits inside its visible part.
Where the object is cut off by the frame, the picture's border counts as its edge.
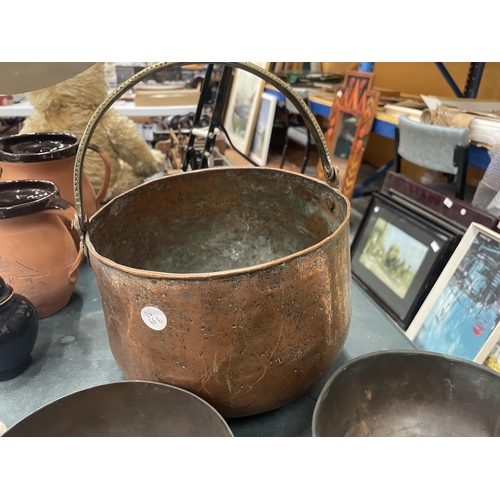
(399, 271)
(455, 212)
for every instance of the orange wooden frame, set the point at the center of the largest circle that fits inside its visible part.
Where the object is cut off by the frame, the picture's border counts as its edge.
(357, 98)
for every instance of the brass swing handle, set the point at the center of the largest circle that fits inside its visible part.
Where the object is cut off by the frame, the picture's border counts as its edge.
(330, 172)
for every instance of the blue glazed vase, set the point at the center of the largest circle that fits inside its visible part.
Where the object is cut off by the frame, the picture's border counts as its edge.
(18, 332)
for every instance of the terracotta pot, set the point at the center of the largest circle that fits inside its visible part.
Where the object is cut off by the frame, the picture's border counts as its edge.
(51, 157)
(38, 257)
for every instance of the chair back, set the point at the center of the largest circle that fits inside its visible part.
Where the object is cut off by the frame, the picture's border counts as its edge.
(430, 146)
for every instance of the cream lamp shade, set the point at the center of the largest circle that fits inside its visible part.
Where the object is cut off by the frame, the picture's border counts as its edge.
(20, 77)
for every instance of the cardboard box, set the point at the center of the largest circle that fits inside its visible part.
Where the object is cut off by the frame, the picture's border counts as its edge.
(185, 97)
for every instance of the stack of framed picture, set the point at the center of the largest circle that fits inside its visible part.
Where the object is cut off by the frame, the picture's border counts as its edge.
(398, 254)
(461, 314)
(250, 114)
(433, 270)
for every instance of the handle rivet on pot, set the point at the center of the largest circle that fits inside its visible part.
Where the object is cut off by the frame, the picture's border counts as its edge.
(330, 203)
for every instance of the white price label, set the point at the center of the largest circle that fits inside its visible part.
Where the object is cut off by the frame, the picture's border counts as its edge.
(448, 202)
(435, 246)
(154, 318)
(463, 211)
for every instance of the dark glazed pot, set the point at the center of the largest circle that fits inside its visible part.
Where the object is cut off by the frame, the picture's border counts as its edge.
(18, 332)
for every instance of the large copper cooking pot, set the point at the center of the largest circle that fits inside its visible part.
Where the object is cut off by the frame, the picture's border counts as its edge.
(232, 283)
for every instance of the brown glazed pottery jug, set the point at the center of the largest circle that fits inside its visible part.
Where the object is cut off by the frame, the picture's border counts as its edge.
(38, 257)
(51, 157)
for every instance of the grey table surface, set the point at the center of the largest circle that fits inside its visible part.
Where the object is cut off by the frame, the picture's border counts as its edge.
(72, 353)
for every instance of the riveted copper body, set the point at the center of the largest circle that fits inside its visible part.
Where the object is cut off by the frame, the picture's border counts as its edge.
(250, 268)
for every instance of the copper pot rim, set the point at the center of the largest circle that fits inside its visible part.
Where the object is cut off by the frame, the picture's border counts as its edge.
(141, 273)
(129, 382)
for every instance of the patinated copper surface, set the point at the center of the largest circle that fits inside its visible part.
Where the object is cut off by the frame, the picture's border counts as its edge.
(245, 339)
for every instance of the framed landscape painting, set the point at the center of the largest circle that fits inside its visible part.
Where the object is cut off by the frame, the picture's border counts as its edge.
(461, 315)
(243, 107)
(397, 255)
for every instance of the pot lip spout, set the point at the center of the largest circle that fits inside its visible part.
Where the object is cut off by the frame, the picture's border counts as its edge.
(142, 273)
(52, 146)
(24, 197)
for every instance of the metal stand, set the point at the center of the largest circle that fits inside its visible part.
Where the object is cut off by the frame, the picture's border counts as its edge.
(190, 155)
(216, 121)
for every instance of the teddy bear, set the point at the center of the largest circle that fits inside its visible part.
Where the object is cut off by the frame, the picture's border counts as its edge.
(68, 107)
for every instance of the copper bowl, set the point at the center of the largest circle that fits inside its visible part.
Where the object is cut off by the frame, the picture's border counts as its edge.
(409, 393)
(125, 409)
